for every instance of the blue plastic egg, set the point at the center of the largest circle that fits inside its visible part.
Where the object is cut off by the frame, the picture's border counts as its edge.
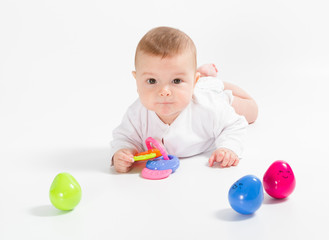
(246, 195)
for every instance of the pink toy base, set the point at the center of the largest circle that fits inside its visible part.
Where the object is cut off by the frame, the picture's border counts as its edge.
(155, 174)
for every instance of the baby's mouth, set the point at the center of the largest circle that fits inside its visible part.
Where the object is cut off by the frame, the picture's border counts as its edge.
(166, 103)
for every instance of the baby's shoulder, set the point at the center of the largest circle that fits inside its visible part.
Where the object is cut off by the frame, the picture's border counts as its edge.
(136, 108)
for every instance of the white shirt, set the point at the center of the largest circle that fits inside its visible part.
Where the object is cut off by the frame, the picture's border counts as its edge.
(209, 122)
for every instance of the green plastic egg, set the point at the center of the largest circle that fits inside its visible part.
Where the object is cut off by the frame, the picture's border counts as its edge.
(65, 192)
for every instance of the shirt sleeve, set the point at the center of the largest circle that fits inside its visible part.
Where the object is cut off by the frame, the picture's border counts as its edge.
(230, 129)
(128, 133)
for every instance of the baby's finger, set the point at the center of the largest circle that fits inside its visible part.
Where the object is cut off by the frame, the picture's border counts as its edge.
(120, 169)
(231, 161)
(123, 167)
(124, 163)
(211, 160)
(126, 157)
(220, 156)
(129, 153)
(216, 69)
(236, 162)
(226, 159)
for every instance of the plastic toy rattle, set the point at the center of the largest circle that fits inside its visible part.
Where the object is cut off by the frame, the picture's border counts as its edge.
(151, 153)
(161, 165)
(150, 140)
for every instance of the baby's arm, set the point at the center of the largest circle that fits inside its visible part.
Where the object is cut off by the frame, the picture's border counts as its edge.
(229, 133)
(127, 140)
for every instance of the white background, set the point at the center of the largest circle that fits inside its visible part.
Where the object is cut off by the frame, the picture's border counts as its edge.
(65, 82)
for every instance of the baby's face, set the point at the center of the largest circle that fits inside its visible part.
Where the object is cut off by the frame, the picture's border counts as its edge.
(165, 85)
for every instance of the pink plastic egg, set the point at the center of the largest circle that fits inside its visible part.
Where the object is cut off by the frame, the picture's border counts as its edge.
(279, 180)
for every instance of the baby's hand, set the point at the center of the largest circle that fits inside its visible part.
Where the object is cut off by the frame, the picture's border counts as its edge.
(225, 156)
(123, 160)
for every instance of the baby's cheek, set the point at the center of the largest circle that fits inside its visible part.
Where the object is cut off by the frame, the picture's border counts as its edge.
(147, 102)
(186, 97)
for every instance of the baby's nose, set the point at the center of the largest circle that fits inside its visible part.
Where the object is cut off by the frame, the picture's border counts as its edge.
(165, 92)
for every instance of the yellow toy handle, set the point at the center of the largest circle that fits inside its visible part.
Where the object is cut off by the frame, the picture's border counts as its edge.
(144, 157)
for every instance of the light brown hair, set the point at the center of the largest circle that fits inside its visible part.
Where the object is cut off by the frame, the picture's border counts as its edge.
(165, 42)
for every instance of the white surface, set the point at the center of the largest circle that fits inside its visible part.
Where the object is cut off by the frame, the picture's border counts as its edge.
(65, 82)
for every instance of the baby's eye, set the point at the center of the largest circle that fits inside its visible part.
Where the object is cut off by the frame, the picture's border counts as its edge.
(151, 81)
(176, 81)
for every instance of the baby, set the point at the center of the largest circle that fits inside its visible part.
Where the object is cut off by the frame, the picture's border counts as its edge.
(188, 109)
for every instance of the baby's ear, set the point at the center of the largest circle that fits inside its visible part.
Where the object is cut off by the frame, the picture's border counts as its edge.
(134, 74)
(197, 77)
